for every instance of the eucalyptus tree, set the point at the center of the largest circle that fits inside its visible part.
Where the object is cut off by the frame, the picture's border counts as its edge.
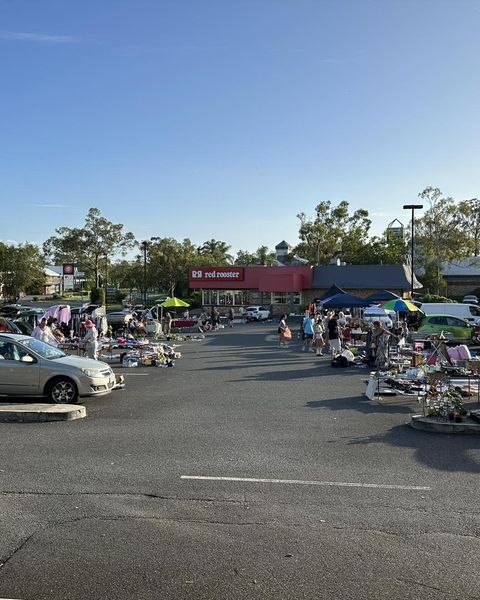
(332, 232)
(92, 245)
(438, 237)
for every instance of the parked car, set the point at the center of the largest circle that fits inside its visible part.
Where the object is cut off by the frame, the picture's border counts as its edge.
(467, 312)
(257, 313)
(455, 329)
(377, 313)
(28, 367)
(470, 299)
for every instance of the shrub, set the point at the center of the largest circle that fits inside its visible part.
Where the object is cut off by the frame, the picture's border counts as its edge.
(97, 296)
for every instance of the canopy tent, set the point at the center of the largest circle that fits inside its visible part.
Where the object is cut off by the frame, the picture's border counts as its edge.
(333, 291)
(382, 296)
(345, 301)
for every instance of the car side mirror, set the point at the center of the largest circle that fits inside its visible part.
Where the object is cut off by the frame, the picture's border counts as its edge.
(27, 359)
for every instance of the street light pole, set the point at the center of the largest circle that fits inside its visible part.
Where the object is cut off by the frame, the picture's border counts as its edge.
(144, 244)
(413, 208)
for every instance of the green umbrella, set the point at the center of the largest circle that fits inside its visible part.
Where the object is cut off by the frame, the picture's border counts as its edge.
(174, 303)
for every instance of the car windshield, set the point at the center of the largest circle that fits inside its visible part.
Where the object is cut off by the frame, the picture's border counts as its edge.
(44, 350)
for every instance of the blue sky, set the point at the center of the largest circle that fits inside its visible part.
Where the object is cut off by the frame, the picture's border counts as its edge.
(225, 118)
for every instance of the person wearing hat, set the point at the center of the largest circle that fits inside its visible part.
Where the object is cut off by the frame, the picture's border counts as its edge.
(91, 340)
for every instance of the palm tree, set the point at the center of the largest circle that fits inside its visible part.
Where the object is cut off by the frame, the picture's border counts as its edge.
(218, 250)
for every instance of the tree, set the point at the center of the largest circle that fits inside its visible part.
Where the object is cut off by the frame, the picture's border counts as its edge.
(168, 264)
(127, 274)
(217, 251)
(265, 257)
(90, 245)
(332, 232)
(21, 270)
(245, 258)
(468, 219)
(438, 239)
(262, 256)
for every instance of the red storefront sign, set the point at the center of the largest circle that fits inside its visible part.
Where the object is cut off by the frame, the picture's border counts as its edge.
(204, 274)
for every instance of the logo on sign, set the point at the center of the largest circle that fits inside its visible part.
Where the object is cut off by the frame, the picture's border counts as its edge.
(196, 274)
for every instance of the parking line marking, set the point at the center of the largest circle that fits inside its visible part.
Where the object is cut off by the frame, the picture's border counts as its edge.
(130, 375)
(382, 486)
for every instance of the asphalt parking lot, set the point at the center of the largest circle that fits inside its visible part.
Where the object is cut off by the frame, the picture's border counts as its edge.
(246, 471)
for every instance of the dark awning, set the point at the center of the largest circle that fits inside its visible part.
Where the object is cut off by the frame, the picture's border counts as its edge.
(345, 301)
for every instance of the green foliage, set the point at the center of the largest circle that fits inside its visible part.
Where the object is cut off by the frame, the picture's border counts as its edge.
(262, 256)
(332, 232)
(435, 298)
(97, 296)
(217, 252)
(91, 245)
(21, 270)
(438, 239)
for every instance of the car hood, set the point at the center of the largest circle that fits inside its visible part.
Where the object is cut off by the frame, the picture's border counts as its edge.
(80, 362)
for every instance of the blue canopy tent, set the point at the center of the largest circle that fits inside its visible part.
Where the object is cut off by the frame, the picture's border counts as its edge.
(345, 301)
(333, 291)
(382, 296)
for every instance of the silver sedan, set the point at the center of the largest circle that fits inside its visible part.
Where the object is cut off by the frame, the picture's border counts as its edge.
(29, 367)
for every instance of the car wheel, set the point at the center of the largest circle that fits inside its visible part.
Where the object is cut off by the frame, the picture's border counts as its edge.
(62, 391)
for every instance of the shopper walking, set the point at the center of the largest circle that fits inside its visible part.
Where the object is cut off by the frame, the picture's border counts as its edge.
(91, 340)
(308, 324)
(231, 316)
(318, 335)
(284, 334)
(334, 335)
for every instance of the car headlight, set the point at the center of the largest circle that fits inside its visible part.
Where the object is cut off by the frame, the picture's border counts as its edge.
(92, 372)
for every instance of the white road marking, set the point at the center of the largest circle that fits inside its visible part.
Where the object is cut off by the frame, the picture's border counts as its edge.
(129, 375)
(382, 486)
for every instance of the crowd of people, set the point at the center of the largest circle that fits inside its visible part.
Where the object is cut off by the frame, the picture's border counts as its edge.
(336, 331)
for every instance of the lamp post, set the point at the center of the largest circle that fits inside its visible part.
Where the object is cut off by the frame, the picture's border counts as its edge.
(144, 245)
(413, 208)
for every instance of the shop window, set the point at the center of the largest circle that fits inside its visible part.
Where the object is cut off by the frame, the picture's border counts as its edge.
(210, 297)
(280, 298)
(225, 298)
(285, 298)
(255, 297)
(240, 297)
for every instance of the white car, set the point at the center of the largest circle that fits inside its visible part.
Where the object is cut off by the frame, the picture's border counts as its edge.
(377, 313)
(471, 299)
(28, 367)
(257, 313)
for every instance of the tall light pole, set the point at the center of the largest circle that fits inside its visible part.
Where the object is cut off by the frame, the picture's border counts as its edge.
(144, 245)
(413, 208)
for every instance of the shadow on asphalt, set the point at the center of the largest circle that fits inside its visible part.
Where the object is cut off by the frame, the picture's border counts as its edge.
(358, 403)
(430, 448)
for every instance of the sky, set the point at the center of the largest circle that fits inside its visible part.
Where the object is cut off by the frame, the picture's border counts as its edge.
(224, 119)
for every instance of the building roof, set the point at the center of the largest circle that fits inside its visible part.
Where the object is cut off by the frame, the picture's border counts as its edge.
(366, 277)
(50, 273)
(282, 245)
(466, 267)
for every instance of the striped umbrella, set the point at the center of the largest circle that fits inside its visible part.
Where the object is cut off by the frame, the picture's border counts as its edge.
(400, 305)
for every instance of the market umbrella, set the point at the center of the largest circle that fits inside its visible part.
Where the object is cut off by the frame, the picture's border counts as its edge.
(400, 305)
(174, 303)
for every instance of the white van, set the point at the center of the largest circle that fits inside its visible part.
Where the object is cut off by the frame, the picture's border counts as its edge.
(468, 312)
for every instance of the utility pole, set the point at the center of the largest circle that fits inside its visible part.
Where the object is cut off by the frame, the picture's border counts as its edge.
(413, 208)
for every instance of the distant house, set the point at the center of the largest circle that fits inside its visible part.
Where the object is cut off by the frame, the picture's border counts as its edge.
(462, 276)
(283, 254)
(52, 281)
